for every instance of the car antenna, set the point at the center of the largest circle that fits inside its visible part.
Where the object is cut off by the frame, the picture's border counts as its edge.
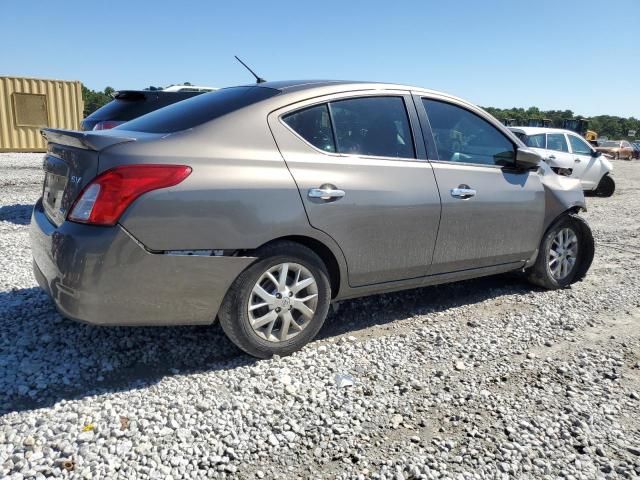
(258, 79)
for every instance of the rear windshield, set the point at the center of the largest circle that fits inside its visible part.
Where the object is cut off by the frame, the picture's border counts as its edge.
(198, 110)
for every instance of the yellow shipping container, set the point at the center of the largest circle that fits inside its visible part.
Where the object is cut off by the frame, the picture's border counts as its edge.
(29, 104)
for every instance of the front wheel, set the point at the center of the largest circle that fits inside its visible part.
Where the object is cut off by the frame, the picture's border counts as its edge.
(279, 303)
(565, 255)
(606, 187)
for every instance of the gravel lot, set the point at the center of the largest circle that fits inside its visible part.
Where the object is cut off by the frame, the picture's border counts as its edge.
(483, 379)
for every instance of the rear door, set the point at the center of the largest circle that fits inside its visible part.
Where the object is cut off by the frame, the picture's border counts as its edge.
(558, 151)
(364, 180)
(492, 213)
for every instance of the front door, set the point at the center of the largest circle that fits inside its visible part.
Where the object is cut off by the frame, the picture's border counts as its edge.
(364, 180)
(586, 167)
(492, 213)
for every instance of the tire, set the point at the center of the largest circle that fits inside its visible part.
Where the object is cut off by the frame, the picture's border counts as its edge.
(541, 272)
(242, 306)
(616, 156)
(606, 187)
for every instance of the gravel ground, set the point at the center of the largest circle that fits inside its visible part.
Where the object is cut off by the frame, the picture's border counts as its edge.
(483, 379)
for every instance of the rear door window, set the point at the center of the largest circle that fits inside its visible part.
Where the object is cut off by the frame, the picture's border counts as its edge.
(535, 141)
(198, 110)
(314, 125)
(372, 126)
(557, 142)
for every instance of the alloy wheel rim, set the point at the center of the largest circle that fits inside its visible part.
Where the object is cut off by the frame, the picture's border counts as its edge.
(563, 253)
(282, 302)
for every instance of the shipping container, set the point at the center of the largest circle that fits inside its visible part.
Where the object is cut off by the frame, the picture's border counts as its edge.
(29, 104)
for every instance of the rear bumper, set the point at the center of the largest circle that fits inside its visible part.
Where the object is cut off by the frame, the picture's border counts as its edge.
(103, 276)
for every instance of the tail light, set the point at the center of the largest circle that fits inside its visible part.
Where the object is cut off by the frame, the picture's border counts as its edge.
(107, 124)
(105, 199)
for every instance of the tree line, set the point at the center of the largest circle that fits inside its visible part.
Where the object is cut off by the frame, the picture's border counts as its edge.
(609, 126)
(604, 125)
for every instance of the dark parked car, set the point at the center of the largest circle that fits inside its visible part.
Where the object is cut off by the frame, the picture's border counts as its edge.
(129, 104)
(261, 204)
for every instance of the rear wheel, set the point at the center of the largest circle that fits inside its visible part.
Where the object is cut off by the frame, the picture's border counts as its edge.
(279, 303)
(565, 254)
(606, 187)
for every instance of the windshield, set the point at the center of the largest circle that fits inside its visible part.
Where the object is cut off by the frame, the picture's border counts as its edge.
(198, 110)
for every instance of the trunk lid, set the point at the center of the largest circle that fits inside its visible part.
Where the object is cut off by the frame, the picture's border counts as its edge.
(71, 162)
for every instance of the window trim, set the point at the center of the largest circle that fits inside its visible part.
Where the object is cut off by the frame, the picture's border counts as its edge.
(336, 97)
(478, 113)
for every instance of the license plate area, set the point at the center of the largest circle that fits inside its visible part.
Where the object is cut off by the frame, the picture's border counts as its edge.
(52, 196)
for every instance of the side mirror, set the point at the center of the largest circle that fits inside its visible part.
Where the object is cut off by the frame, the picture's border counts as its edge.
(527, 159)
(595, 153)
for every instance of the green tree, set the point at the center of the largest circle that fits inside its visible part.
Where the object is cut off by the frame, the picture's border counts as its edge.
(94, 100)
(604, 125)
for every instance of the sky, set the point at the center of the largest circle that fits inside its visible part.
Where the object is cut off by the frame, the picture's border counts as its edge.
(581, 55)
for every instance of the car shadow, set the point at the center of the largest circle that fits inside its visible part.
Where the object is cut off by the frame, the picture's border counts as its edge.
(19, 214)
(45, 358)
(366, 312)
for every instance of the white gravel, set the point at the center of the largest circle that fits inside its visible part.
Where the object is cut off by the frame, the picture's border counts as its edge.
(482, 379)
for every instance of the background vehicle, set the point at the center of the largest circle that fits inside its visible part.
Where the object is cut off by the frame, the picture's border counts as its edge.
(617, 149)
(569, 154)
(581, 127)
(636, 150)
(539, 122)
(261, 204)
(188, 88)
(129, 104)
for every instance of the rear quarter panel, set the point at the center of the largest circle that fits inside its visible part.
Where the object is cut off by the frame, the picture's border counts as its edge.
(239, 196)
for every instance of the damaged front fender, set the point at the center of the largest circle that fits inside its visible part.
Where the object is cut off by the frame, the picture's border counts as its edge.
(562, 194)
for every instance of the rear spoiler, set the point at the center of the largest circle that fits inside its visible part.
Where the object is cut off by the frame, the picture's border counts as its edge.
(84, 140)
(131, 94)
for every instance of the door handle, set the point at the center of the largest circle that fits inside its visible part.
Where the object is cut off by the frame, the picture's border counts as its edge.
(326, 192)
(577, 160)
(463, 191)
(551, 157)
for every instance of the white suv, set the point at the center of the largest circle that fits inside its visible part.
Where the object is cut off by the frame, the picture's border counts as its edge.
(569, 154)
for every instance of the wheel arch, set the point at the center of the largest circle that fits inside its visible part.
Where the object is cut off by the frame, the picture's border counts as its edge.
(573, 210)
(336, 269)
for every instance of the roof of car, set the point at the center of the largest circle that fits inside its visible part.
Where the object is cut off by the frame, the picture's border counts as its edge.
(298, 85)
(323, 87)
(539, 130)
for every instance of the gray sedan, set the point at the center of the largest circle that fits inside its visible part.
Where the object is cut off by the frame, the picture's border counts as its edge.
(259, 205)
